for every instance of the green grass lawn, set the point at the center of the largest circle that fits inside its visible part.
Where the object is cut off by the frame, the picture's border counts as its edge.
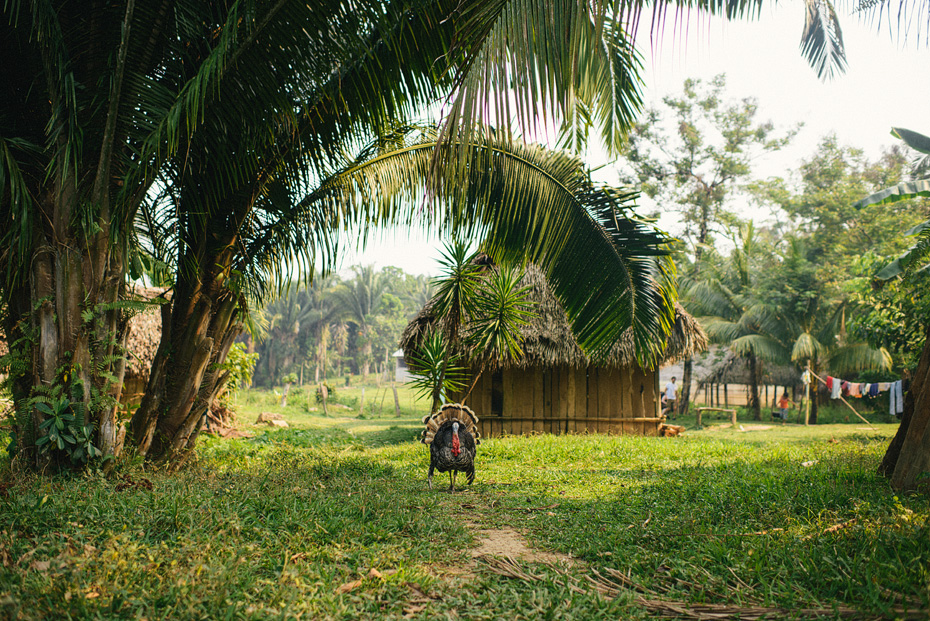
(331, 519)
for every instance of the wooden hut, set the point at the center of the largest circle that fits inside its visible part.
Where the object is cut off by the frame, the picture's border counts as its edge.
(555, 387)
(733, 371)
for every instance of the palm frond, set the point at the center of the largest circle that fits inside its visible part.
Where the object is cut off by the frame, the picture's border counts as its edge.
(761, 346)
(610, 270)
(711, 297)
(806, 347)
(550, 66)
(720, 330)
(859, 357)
(822, 39)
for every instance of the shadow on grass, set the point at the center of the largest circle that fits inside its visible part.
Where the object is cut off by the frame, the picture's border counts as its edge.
(757, 527)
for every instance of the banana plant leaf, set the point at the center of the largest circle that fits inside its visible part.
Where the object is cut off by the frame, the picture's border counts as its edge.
(900, 192)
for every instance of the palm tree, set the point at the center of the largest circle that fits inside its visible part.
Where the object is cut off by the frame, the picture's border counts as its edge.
(418, 294)
(732, 314)
(357, 301)
(811, 324)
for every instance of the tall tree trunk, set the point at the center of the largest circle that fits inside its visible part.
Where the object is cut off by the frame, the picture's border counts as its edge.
(197, 331)
(684, 401)
(907, 459)
(754, 374)
(814, 397)
(64, 316)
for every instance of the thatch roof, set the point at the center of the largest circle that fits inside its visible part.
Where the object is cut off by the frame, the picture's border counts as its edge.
(733, 369)
(548, 338)
(144, 335)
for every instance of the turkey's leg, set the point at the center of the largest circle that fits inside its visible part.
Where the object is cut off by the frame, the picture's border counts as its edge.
(429, 478)
(452, 474)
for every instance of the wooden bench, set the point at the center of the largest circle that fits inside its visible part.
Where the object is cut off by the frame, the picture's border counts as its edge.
(731, 412)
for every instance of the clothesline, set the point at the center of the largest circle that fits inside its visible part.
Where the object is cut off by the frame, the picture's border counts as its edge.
(840, 387)
(824, 382)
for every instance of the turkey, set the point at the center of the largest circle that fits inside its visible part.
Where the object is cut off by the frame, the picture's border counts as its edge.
(451, 435)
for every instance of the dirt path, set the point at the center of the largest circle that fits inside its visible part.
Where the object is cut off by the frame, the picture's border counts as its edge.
(508, 542)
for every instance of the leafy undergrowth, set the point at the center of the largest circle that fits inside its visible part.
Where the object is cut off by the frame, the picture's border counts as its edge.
(316, 522)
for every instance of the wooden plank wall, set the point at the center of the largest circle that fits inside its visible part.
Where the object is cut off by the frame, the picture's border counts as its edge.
(568, 400)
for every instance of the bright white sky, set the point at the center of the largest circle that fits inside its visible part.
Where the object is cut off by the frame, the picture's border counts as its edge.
(886, 85)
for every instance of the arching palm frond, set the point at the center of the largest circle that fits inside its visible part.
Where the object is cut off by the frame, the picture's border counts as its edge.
(822, 39)
(550, 66)
(711, 297)
(530, 204)
(720, 330)
(759, 345)
(859, 357)
(806, 347)
(915, 259)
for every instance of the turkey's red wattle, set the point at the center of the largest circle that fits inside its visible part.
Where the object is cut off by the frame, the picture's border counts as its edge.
(456, 448)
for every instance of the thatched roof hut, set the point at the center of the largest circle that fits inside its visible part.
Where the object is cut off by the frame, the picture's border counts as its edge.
(734, 369)
(555, 387)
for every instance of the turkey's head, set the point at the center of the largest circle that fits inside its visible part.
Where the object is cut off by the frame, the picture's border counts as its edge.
(456, 447)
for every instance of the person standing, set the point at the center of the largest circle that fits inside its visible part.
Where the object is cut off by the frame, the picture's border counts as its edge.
(670, 397)
(783, 404)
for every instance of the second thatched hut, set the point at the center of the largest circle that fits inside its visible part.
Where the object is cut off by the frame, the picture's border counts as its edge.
(555, 387)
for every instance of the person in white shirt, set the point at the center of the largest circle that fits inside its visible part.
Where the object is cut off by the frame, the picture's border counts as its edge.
(669, 397)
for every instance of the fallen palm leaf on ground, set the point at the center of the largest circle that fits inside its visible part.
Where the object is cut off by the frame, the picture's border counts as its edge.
(612, 584)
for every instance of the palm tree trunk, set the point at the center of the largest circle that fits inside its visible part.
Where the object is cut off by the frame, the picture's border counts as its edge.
(815, 391)
(754, 374)
(684, 402)
(66, 306)
(186, 375)
(908, 456)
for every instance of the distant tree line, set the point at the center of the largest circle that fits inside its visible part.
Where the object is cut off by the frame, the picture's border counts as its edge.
(337, 325)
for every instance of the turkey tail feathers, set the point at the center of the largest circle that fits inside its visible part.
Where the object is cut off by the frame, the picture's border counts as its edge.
(450, 412)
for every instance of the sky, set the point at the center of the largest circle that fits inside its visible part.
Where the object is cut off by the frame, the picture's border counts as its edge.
(886, 84)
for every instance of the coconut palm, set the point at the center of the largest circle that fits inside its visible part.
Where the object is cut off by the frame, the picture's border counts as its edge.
(811, 324)
(731, 313)
(231, 218)
(357, 301)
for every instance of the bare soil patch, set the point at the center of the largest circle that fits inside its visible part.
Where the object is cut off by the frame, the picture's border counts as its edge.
(510, 543)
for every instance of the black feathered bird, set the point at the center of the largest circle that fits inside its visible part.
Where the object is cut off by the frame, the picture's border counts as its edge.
(452, 437)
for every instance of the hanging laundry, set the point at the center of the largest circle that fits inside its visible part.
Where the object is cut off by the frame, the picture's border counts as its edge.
(899, 397)
(854, 390)
(883, 386)
(873, 390)
(829, 383)
(892, 396)
(837, 387)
